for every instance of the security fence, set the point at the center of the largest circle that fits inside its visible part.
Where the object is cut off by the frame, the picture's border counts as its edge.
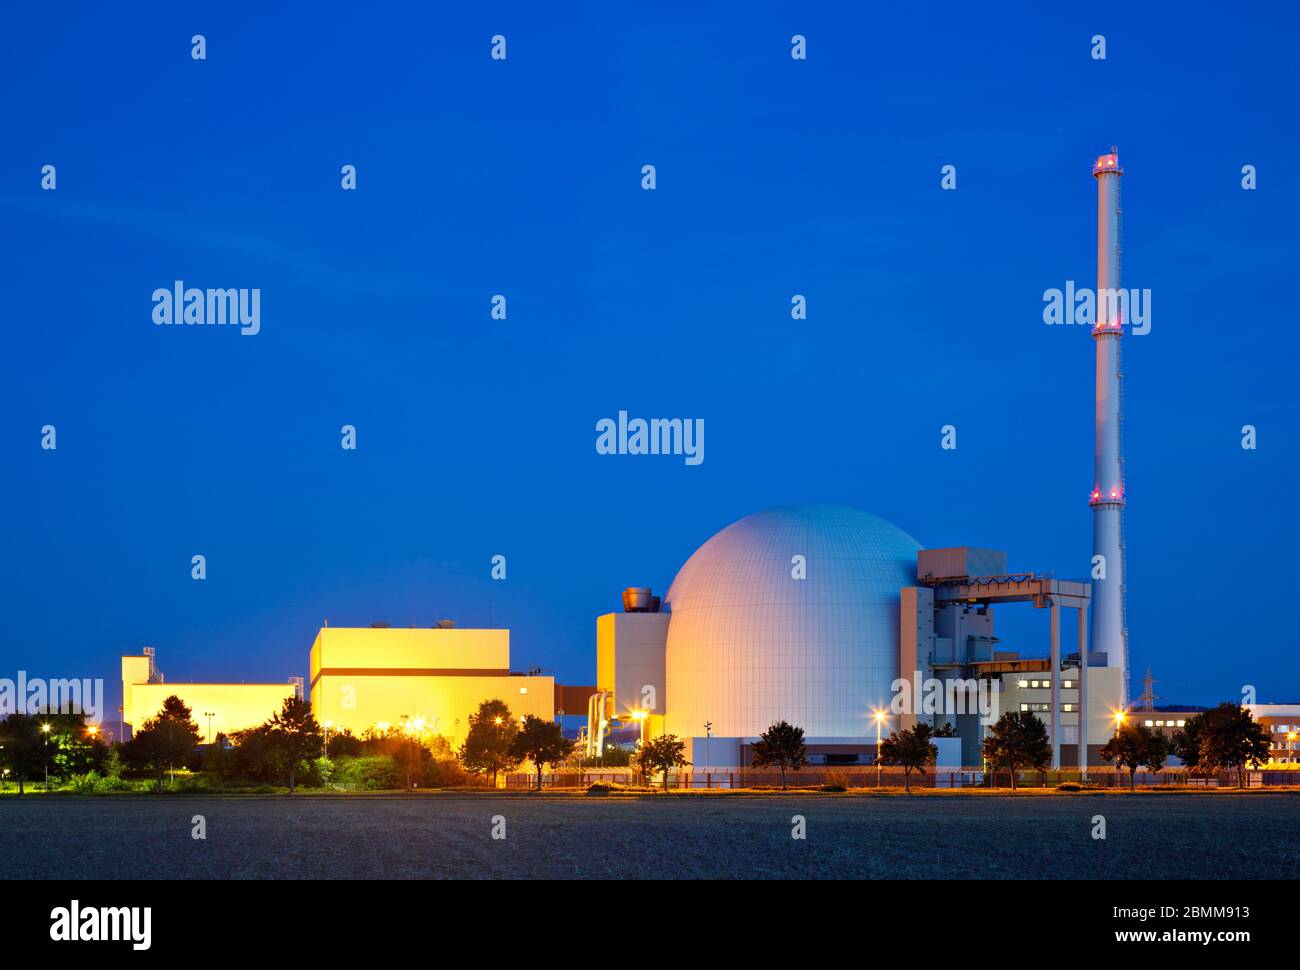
(818, 777)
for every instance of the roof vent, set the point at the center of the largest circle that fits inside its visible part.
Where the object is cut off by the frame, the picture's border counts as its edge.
(379, 625)
(444, 625)
(638, 599)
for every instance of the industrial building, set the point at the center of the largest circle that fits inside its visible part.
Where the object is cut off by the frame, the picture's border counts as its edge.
(837, 621)
(379, 677)
(216, 708)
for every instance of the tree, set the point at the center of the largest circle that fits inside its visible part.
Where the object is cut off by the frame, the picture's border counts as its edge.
(256, 754)
(781, 745)
(1018, 740)
(1134, 746)
(489, 745)
(911, 748)
(295, 735)
(1185, 743)
(23, 746)
(1231, 740)
(663, 753)
(343, 744)
(165, 740)
(542, 743)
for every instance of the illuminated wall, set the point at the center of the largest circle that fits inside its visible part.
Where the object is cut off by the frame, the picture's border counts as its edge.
(630, 651)
(234, 706)
(1032, 692)
(363, 678)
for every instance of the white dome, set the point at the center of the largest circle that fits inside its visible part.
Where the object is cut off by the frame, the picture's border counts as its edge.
(749, 645)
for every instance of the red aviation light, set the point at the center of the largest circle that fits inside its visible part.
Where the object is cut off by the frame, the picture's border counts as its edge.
(1107, 163)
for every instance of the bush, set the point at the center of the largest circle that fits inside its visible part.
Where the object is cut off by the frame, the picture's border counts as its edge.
(836, 780)
(84, 784)
(599, 788)
(93, 783)
(369, 773)
(446, 773)
(1069, 786)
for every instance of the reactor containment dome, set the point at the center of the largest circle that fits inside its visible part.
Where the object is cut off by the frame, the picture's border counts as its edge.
(789, 614)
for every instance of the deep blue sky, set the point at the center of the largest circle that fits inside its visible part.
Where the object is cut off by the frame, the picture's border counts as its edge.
(476, 437)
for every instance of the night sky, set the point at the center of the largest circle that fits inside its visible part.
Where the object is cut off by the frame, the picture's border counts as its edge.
(475, 436)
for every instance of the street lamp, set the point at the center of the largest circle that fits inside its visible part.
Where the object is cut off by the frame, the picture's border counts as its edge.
(406, 729)
(708, 733)
(880, 719)
(209, 715)
(325, 734)
(640, 717)
(1119, 723)
(45, 729)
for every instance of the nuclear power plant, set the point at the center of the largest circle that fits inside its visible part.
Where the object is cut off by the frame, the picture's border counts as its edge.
(839, 622)
(827, 617)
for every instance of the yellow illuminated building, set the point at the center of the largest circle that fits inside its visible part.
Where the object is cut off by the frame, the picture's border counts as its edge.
(366, 677)
(215, 708)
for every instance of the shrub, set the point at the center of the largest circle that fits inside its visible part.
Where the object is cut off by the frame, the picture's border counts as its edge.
(84, 784)
(369, 773)
(446, 773)
(1069, 786)
(93, 783)
(837, 779)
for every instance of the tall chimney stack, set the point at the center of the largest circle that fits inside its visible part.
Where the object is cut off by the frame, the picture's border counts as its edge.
(1109, 633)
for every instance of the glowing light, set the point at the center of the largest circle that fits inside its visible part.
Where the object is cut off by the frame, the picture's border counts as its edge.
(328, 725)
(638, 715)
(496, 721)
(93, 729)
(45, 728)
(383, 726)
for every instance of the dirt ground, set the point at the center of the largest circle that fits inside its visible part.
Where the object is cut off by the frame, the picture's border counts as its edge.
(450, 836)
